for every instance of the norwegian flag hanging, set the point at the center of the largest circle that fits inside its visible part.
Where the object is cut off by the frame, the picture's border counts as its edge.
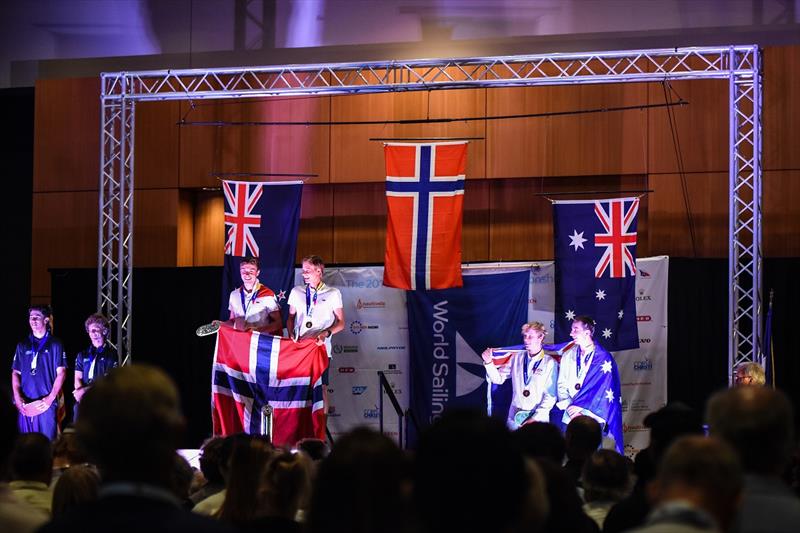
(261, 220)
(595, 258)
(252, 370)
(424, 197)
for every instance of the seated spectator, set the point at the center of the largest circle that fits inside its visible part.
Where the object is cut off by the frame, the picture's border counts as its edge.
(15, 515)
(77, 485)
(582, 438)
(362, 486)
(130, 426)
(32, 469)
(211, 463)
(758, 422)
(666, 425)
(697, 488)
(249, 459)
(566, 512)
(66, 453)
(182, 477)
(606, 480)
(540, 439)
(284, 493)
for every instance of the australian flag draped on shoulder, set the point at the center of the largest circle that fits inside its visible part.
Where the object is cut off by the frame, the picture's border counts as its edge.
(448, 329)
(424, 198)
(595, 259)
(252, 370)
(261, 220)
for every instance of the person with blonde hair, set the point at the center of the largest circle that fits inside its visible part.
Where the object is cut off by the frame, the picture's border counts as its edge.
(749, 373)
(533, 373)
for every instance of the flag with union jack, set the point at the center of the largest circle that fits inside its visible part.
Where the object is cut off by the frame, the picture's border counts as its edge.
(261, 220)
(252, 370)
(424, 198)
(595, 258)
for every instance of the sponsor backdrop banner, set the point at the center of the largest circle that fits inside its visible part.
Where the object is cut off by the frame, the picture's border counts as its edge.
(376, 338)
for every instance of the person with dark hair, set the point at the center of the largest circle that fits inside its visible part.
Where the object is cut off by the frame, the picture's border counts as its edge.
(606, 480)
(15, 515)
(588, 382)
(316, 311)
(533, 376)
(95, 361)
(540, 439)
(253, 306)
(566, 508)
(582, 438)
(249, 458)
(79, 484)
(37, 374)
(697, 488)
(211, 464)
(130, 426)
(32, 470)
(362, 487)
(759, 423)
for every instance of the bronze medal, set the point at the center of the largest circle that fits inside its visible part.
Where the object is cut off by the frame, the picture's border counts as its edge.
(577, 386)
(526, 393)
(309, 324)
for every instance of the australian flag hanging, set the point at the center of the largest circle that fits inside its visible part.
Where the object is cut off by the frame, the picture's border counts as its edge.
(595, 257)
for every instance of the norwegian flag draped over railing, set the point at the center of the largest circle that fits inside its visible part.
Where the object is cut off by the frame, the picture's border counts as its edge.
(261, 220)
(254, 369)
(595, 258)
(424, 198)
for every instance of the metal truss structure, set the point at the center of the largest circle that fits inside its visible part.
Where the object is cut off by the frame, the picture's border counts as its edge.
(740, 65)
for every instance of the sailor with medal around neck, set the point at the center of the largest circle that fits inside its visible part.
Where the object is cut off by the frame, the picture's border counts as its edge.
(533, 376)
(253, 306)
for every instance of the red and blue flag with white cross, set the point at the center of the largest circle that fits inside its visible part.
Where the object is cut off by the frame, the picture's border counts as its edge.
(595, 259)
(424, 198)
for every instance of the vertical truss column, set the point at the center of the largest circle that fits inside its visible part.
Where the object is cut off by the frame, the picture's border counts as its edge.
(744, 253)
(115, 228)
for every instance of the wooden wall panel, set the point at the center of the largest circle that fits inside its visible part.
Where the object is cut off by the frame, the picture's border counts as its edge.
(701, 127)
(781, 213)
(209, 232)
(186, 231)
(256, 149)
(64, 235)
(67, 135)
(573, 145)
(475, 229)
(359, 223)
(155, 228)
(669, 232)
(157, 145)
(781, 140)
(315, 235)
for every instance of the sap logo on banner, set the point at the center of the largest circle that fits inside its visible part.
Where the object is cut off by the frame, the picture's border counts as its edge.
(347, 370)
(643, 318)
(644, 365)
(358, 390)
(364, 284)
(356, 327)
(644, 273)
(370, 305)
(371, 413)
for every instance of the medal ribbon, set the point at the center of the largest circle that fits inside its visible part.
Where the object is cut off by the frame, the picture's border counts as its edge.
(526, 378)
(36, 350)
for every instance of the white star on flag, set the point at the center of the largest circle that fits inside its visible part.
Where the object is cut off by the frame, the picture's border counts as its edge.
(576, 239)
(600, 294)
(606, 333)
(621, 312)
(570, 314)
(610, 395)
(606, 367)
(281, 296)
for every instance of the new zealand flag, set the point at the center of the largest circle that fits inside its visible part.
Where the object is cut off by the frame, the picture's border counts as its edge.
(595, 258)
(261, 220)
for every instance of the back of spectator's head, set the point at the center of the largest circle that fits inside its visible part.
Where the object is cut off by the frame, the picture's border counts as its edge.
(459, 459)
(316, 449)
(670, 422)
(540, 439)
(78, 484)
(749, 373)
(32, 458)
(249, 458)
(66, 451)
(211, 460)
(182, 476)
(131, 423)
(705, 471)
(582, 437)
(606, 476)
(286, 484)
(566, 513)
(361, 486)
(757, 422)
